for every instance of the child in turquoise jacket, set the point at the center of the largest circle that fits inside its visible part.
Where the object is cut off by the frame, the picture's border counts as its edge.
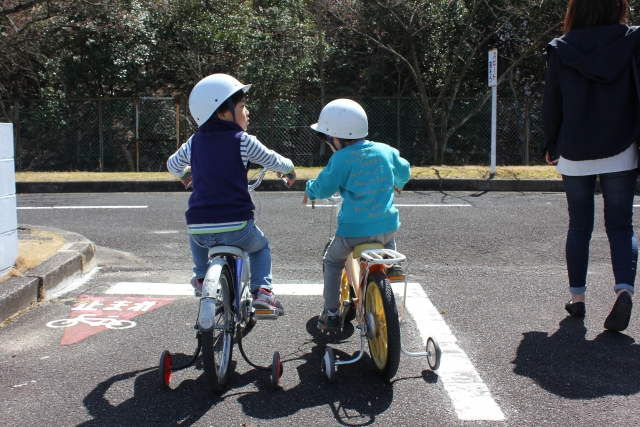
(365, 173)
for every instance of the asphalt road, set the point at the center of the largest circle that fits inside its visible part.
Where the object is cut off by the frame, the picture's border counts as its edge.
(491, 264)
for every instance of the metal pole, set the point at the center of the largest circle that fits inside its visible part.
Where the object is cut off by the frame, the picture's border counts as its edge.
(527, 132)
(16, 137)
(494, 116)
(135, 109)
(177, 99)
(100, 135)
(271, 114)
(398, 121)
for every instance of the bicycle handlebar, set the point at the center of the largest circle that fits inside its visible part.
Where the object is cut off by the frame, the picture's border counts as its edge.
(258, 180)
(251, 187)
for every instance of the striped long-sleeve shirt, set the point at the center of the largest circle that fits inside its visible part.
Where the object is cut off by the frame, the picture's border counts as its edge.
(251, 150)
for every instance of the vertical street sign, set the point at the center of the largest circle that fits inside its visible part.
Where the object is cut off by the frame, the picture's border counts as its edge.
(493, 84)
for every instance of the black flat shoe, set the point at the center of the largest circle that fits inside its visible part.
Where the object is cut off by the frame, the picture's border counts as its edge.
(618, 319)
(576, 309)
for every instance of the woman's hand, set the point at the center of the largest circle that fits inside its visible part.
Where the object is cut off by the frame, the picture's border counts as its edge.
(547, 157)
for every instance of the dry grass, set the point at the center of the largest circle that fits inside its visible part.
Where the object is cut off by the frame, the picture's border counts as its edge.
(424, 172)
(39, 247)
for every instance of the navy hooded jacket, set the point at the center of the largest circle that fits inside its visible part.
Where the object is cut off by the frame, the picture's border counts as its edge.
(591, 108)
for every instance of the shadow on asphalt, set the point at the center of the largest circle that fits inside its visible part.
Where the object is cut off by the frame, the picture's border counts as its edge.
(355, 398)
(568, 365)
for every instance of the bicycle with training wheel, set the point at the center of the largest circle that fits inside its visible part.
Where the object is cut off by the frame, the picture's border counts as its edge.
(225, 310)
(366, 296)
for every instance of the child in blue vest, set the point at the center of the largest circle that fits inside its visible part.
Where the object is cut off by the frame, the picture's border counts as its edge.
(366, 174)
(220, 207)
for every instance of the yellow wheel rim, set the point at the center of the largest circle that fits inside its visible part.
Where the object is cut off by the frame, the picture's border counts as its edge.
(344, 290)
(379, 344)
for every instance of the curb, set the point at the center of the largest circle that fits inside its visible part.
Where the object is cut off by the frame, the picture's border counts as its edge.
(74, 258)
(543, 185)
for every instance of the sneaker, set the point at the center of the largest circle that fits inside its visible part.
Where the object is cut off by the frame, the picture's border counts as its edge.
(266, 299)
(395, 272)
(197, 286)
(329, 320)
(575, 309)
(618, 319)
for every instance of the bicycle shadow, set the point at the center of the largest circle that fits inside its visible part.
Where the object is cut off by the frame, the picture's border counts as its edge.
(150, 405)
(356, 397)
(568, 365)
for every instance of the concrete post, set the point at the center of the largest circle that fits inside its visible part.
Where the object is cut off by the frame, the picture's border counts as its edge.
(8, 211)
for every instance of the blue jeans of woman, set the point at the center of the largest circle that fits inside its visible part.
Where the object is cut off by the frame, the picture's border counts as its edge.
(250, 239)
(618, 189)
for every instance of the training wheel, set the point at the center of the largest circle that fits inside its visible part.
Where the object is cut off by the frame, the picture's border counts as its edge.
(433, 353)
(164, 369)
(276, 369)
(329, 364)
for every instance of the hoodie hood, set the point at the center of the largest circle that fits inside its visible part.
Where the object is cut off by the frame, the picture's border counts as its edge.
(599, 53)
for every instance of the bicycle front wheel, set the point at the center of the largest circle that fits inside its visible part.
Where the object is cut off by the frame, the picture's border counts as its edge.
(385, 345)
(217, 344)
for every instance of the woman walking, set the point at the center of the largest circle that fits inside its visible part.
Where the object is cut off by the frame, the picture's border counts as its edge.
(591, 120)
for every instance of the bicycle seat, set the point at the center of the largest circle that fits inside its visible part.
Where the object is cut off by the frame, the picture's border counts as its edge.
(357, 251)
(225, 250)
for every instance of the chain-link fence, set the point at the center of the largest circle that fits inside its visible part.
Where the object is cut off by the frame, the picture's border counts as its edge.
(139, 134)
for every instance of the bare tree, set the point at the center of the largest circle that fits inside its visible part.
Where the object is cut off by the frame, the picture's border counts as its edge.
(443, 42)
(25, 28)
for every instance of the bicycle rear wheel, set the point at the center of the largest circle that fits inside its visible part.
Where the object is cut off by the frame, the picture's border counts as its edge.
(385, 345)
(217, 344)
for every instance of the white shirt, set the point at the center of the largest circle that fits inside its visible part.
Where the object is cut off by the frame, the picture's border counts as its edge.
(624, 161)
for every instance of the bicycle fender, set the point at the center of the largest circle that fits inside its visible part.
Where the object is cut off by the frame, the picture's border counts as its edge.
(206, 314)
(210, 289)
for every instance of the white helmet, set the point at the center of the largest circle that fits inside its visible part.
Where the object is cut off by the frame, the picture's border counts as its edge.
(343, 118)
(209, 93)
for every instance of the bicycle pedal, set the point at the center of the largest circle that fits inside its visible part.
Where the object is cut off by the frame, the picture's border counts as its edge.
(396, 278)
(266, 313)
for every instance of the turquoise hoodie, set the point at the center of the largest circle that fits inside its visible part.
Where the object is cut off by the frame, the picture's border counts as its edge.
(364, 174)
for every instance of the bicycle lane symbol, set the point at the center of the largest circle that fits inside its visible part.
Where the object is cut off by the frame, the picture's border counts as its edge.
(92, 315)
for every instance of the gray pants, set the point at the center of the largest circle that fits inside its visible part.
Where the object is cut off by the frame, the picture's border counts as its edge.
(337, 255)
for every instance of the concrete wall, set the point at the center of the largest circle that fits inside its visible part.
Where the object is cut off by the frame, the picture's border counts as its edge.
(8, 212)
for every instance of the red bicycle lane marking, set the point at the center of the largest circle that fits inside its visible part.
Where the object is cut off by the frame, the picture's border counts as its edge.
(101, 308)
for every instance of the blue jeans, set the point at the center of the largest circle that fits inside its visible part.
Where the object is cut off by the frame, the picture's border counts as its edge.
(250, 239)
(618, 189)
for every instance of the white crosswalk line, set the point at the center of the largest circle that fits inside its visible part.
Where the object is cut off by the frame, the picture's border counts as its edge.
(469, 395)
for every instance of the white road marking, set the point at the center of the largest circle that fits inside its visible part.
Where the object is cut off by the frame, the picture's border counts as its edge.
(435, 205)
(82, 207)
(165, 232)
(432, 205)
(144, 288)
(469, 395)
